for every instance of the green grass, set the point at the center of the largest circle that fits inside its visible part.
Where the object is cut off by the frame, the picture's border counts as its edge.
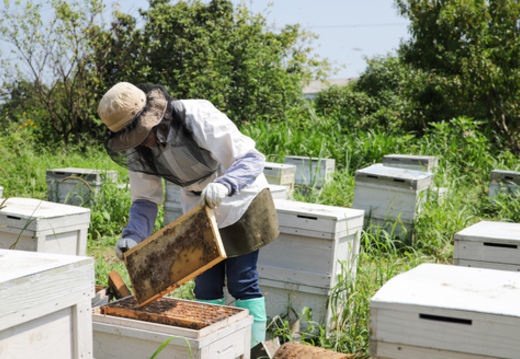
(466, 160)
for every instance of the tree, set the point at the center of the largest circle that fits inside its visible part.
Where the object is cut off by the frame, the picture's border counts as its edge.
(54, 56)
(469, 52)
(216, 52)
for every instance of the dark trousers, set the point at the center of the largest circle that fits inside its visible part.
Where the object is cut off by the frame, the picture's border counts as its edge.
(242, 279)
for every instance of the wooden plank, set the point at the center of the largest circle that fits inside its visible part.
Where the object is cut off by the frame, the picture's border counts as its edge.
(117, 285)
(177, 253)
(382, 350)
(491, 251)
(487, 265)
(457, 331)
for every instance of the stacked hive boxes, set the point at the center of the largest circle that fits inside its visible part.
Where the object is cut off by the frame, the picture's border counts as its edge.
(76, 186)
(418, 163)
(279, 174)
(444, 311)
(41, 226)
(503, 183)
(391, 196)
(493, 245)
(300, 268)
(311, 171)
(46, 305)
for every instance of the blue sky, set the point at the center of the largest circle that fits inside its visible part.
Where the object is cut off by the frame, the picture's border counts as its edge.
(349, 30)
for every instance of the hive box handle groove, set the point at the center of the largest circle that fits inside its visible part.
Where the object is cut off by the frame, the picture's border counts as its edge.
(502, 245)
(439, 318)
(307, 217)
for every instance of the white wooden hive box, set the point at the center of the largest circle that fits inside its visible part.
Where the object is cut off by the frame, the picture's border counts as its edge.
(313, 240)
(122, 338)
(503, 183)
(487, 244)
(173, 193)
(279, 191)
(311, 171)
(412, 162)
(290, 300)
(279, 173)
(76, 185)
(46, 305)
(445, 311)
(389, 193)
(44, 226)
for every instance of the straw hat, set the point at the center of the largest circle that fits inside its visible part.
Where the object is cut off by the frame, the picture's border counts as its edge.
(123, 104)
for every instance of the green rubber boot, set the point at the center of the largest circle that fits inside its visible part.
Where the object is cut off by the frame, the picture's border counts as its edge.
(256, 308)
(212, 301)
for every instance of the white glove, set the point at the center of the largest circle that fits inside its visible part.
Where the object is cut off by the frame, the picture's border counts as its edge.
(123, 245)
(213, 194)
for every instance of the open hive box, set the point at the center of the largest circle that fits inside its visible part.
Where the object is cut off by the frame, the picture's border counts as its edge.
(177, 253)
(122, 329)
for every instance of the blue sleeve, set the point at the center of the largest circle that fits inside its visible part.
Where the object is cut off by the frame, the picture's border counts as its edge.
(243, 172)
(143, 214)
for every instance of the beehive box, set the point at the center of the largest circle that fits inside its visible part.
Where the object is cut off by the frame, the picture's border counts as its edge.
(172, 193)
(311, 171)
(280, 174)
(46, 305)
(175, 254)
(503, 183)
(76, 186)
(41, 226)
(388, 194)
(172, 211)
(195, 330)
(172, 202)
(316, 244)
(445, 311)
(278, 191)
(412, 162)
(493, 245)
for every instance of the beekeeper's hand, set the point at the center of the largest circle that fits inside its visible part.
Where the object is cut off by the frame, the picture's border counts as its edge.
(123, 245)
(213, 194)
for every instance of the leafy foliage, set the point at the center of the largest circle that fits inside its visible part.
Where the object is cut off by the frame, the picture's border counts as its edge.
(468, 51)
(49, 73)
(225, 55)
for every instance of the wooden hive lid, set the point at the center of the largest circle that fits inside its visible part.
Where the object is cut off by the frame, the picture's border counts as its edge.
(449, 287)
(394, 176)
(509, 177)
(428, 162)
(91, 176)
(482, 231)
(37, 215)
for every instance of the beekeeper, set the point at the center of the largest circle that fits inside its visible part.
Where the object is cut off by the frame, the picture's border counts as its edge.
(194, 145)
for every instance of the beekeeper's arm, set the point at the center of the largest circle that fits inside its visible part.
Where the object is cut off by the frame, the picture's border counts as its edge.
(147, 193)
(214, 131)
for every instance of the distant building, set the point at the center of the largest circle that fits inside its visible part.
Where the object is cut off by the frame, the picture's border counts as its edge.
(314, 87)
